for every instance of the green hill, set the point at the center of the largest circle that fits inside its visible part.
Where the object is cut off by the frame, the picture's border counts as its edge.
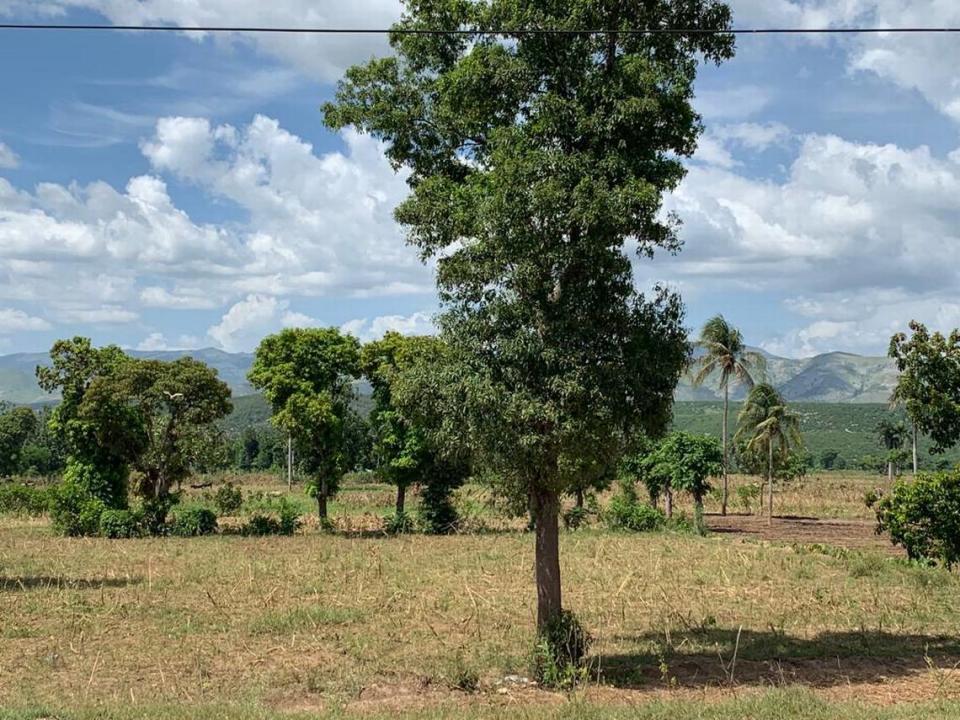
(847, 428)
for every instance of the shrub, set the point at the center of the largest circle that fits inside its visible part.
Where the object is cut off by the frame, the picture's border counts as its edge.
(85, 492)
(153, 514)
(74, 511)
(286, 521)
(575, 518)
(437, 514)
(398, 524)
(626, 513)
(923, 516)
(228, 498)
(120, 524)
(560, 652)
(193, 521)
(748, 495)
(24, 500)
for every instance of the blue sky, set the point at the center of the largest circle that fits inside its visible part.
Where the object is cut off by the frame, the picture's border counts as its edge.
(172, 191)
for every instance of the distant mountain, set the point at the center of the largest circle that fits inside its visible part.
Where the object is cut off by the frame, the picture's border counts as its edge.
(834, 377)
(18, 383)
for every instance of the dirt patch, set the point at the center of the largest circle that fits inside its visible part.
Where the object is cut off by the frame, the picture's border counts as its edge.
(851, 534)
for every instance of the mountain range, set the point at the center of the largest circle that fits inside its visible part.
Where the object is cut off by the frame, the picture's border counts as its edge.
(833, 377)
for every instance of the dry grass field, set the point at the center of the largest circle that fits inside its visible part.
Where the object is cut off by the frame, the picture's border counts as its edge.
(743, 623)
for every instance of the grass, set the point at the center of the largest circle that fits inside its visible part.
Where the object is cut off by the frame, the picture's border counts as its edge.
(355, 624)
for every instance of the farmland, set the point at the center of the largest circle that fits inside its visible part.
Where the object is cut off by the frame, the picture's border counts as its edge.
(355, 623)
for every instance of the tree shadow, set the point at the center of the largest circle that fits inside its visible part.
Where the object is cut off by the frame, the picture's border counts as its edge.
(22, 583)
(705, 658)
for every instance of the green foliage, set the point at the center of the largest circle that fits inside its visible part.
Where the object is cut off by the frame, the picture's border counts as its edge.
(749, 495)
(767, 433)
(19, 499)
(16, 426)
(532, 166)
(398, 524)
(154, 511)
(575, 518)
(626, 512)
(84, 493)
(684, 462)
(437, 514)
(121, 524)
(923, 516)
(929, 382)
(560, 652)
(228, 498)
(305, 374)
(284, 519)
(725, 353)
(193, 521)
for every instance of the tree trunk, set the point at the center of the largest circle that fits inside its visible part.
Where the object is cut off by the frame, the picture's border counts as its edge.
(401, 498)
(915, 463)
(890, 470)
(726, 409)
(669, 501)
(322, 502)
(770, 483)
(579, 497)
(546, 509)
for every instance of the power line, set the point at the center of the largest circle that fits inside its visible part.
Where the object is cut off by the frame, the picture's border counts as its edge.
(473, 33)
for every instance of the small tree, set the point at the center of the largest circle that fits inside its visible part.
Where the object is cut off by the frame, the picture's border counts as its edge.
(17, 425)
(892, 435)
(685, 462)
(306, 375)
(923, 516)
(929, 382)
(768, 429)
(726, 355)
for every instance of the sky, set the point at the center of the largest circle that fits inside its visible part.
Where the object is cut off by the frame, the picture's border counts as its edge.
(176, 190)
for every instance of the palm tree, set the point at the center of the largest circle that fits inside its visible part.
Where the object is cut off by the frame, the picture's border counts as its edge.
(897, 401)
(725, 353)
(767, 427)
(892, 434)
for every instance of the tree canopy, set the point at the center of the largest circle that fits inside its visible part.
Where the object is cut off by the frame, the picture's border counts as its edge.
(306, 375)
(929, 382)
(535, 165)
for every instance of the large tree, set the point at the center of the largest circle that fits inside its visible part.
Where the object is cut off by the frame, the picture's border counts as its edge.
(536, 163)
(768, 430)
(170, 409)
(17, 425)
(726, 355)
(929, 382)
(684, 461)
(306, 376)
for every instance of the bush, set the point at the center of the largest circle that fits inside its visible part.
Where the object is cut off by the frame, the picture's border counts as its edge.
(120, 524)
(193, 521)
(228, 498)
(748, 495)
(85, 492)
(21, 499)
(626, 513)
(286, 522)
(575, 518)
(398, 524)
(437, 514)
(560, 652)
(74, 511)
(923, 516)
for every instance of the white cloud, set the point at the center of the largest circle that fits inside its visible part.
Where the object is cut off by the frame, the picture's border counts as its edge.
(862, 238)
(179, 299)
(8, 158)
(157, 342)
(12, 320)
(753, 136)
(250, 320)
(420, 323)
(104, 315)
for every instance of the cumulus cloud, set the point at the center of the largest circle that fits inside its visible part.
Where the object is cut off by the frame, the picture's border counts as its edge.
(8, 158)
(250, 320)
(861, 238)
(420, 323)
(12, 320)
(315, 224)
